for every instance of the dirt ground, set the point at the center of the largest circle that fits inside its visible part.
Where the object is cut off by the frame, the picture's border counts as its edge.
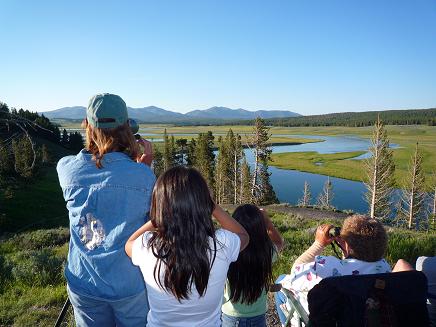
(311, 213)
(272, 319)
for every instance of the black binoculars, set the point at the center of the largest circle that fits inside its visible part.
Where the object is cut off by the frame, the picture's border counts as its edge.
(334, 231)
(134, 127)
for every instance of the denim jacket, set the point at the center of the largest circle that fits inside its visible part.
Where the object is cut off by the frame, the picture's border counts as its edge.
(105, 207)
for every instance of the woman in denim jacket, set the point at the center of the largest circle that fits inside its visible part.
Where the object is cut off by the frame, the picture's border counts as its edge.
(107, 187)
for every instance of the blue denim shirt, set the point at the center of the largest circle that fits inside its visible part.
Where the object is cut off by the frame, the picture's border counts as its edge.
(105, 207)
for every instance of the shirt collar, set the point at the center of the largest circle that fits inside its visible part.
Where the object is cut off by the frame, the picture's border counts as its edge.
(107, 158)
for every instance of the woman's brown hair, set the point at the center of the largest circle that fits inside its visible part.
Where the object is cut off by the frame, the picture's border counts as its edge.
(100, 141)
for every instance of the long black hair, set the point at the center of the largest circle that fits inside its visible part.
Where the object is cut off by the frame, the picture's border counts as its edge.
(182, 215)
(251, 274)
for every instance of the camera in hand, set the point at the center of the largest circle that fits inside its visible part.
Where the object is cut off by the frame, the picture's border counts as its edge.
(335, 231)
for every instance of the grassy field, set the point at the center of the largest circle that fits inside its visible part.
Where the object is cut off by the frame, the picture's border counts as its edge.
(326, 164)
(32, 287)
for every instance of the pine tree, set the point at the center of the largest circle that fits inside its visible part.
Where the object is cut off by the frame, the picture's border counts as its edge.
(158, 165)
(6, 162)
(380, 174)
(205, 158)
(326, 196)
(24, 156)
(181, 151)
(45, 154)
(221, 169)
(400, 219)
(169, 155)
(432, 218)
(236, 153)
(75, 141)
(414, 190)
(173, 151)
(228, 166)
(261, 188)
(64, 138)
(190, 153)
(245, 183)
(307, 196)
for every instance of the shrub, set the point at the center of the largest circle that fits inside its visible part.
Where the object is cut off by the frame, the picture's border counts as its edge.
(37, 268)
(409, 246)
(5, 273)
(41, 238)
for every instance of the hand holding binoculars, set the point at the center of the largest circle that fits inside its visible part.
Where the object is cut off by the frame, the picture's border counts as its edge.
(145, 147)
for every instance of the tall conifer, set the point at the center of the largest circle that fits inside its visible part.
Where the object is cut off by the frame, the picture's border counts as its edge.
(380, 170)
(205, 158)
(169, 154)
(325, 198)
(261, 189)
(158, 164)
(245, 183)
(414, 190)
(307, 196)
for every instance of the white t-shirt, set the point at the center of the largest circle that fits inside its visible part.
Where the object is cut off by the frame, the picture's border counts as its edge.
(165, 309)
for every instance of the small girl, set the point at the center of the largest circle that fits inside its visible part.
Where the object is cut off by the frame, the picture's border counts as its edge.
(249, 278)
(183, 260)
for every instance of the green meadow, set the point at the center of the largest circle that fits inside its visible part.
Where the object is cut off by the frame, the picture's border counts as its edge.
(340, 165)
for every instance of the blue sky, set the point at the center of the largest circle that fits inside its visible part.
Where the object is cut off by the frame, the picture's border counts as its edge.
(306, 56)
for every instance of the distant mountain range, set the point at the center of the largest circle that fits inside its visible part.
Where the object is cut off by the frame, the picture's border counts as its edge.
(154, 114)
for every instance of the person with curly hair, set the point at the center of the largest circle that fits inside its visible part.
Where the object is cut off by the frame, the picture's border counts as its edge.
(363, 242)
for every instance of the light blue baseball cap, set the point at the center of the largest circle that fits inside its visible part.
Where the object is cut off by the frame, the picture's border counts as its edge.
(106, 111)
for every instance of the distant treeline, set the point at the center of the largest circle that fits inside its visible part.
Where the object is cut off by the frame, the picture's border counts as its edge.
(358, 119)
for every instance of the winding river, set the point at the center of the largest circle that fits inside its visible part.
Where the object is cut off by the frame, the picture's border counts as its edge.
(288, 184)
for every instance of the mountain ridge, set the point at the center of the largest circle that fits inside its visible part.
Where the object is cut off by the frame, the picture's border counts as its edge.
(156, 114)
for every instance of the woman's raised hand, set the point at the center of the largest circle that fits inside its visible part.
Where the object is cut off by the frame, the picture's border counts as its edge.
(147, 156)
(322, 234)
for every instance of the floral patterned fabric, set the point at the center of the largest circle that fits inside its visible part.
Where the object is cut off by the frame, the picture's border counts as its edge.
(305, 276)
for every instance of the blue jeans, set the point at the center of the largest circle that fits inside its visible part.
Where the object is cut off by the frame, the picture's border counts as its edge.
(90, 311)
(230, 321)
(280, 298)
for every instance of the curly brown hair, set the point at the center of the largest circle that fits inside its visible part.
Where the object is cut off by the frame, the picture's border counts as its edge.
(366, 238)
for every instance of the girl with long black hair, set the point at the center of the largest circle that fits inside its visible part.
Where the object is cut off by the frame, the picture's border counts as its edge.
(249, 278)
(184, 261)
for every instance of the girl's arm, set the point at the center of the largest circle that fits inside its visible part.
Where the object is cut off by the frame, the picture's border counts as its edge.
(273, 233)
(230, 224)
(147, 227)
